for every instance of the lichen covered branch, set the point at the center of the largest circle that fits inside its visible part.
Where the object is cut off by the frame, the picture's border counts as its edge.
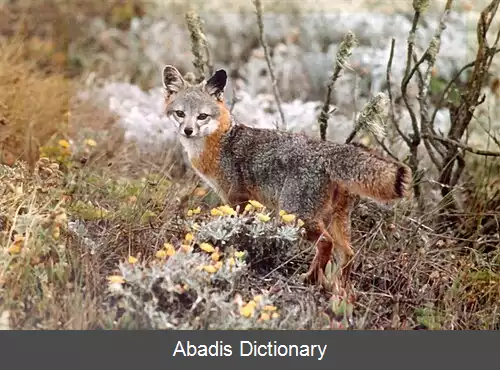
(199, 47)
(370, 118)
(344, 52)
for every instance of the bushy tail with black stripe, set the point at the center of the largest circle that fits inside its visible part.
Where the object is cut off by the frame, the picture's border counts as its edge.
(367, 173)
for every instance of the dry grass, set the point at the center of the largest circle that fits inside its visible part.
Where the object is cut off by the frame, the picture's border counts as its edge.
(34, 105)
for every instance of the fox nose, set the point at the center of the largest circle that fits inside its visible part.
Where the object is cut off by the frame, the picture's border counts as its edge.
(188, 131)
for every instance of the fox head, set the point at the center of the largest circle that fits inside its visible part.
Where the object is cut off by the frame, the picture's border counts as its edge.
(196, 110)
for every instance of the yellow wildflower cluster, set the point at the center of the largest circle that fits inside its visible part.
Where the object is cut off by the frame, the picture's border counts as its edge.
(60, 152)
(168, 250)
(207, 247)
(116, 279)
(16, 246)
(224, 210)
(217, 260)
(215, 256)
(64, 144)
(253, 206)
(115, 283)
(194, 211)
(267, 312)
(90, 142)
(290, 218)
(262, 217)
(189, 237)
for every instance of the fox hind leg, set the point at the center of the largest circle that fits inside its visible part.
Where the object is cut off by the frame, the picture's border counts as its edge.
(317, 233)
(341, 231)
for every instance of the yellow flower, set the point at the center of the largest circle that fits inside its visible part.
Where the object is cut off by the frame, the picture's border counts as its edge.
(227, 210)
(169, 249)
(275, 315)
(248, 208)
(15, 248)
(116, 279)
(132, 260)
(189, 237)
(262, 217)
(218, 265)
(215, 256)
(282, 212)
(161, 254)
(56, 232)
(207, 247)
(239, 254)
(64, 143)
(269, 308)
(256, 204)
(194, 211)
(247, 310)
(216, 212)
(186, 248)
(288, 218)
(231, 261)
(210, 269)
(90, 142)
(257, 298)
(264, 316)
(300, 223)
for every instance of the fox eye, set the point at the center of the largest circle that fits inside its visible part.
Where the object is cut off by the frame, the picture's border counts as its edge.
(202, 116)
(179, 113)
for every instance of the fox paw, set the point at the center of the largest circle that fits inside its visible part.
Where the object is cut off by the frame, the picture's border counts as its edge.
(334, 283)
(316, 277)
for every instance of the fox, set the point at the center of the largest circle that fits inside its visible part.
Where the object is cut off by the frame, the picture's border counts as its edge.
(317, 180)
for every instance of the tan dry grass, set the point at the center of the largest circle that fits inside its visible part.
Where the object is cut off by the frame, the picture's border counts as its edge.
(34, 106)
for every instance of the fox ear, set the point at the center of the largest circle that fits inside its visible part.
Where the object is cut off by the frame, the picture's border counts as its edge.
(172, 79)
(216, 84)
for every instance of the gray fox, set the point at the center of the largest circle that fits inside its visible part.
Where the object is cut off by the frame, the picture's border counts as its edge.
(316, 180)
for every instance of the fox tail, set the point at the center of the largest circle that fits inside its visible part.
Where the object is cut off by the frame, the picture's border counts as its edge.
(367, 173)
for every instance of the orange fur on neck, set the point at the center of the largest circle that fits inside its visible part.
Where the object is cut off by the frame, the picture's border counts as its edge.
(209, 159)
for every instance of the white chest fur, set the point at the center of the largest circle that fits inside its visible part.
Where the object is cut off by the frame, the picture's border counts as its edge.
(194, 148)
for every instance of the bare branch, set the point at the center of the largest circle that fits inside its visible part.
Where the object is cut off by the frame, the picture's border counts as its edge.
(430, 55)
(386, 149)
(462, 114)
(486, 153)
(487, 131)
(415, 139)
(258, 7)
(448, 87)
(389, 91)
